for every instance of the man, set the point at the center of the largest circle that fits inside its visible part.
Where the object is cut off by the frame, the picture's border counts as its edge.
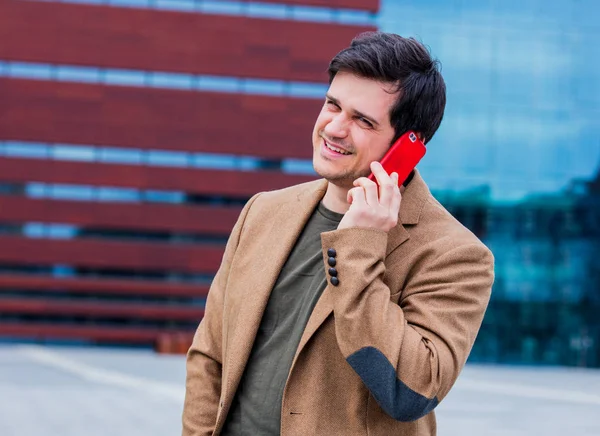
(341, 308)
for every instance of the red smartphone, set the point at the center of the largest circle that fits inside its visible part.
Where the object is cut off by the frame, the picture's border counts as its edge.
(403, 156)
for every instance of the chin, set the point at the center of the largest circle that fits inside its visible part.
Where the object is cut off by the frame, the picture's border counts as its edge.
(337, 178)
(324, 168)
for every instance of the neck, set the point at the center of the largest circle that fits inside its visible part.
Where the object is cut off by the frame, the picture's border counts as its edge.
(335, 198)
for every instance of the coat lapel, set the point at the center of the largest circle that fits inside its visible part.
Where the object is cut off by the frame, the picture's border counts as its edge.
(272, 241)
(413, 200)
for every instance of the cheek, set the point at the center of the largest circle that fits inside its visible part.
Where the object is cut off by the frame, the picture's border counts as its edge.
(373, 148)
(369, 149)
(362, 142)
(322, 120)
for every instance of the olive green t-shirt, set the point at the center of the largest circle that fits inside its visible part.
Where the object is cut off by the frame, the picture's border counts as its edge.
(256, 408)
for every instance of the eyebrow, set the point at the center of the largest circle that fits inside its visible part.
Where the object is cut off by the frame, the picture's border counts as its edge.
(354, 111)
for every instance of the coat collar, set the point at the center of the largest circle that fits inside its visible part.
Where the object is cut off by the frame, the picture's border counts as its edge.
(413, 199)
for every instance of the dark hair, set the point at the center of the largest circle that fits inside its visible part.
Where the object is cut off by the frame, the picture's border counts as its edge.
(390, 58)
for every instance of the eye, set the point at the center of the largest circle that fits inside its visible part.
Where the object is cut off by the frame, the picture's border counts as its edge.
(331, 104)
(365, 123)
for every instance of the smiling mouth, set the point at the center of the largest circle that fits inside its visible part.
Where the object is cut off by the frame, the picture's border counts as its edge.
(336, 149)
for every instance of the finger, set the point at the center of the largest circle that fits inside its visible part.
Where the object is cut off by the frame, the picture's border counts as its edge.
(370, 188)
(357, 196)
(380, 174)
(387, 191)
(396, 200)
(395, 180)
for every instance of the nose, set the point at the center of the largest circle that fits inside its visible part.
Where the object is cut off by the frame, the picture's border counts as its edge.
(337, 127)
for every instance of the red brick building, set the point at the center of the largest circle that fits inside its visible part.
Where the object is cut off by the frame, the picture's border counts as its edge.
(132, 132)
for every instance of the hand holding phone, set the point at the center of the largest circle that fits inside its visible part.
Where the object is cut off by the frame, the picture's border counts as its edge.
(403, 156)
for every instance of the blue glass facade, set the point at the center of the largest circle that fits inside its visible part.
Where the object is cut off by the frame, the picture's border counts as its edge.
(523, 91)
(514, 158)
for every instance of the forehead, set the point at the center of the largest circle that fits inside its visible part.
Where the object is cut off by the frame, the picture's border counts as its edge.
(368, 96)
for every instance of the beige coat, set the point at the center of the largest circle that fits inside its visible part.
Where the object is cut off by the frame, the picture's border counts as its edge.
(380, 350)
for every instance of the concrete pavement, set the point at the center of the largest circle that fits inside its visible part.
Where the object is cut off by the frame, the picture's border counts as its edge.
(76, 391)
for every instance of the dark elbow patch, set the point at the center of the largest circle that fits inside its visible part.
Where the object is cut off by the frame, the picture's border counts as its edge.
(394, 397)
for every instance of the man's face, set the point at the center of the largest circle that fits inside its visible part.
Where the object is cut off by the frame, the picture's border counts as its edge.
(353, 128)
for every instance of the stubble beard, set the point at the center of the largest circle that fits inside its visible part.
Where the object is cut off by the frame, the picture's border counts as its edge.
(344, 178)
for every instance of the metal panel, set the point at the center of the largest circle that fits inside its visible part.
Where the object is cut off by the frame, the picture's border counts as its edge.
(78, 113)
(100, 286)
(238, 184)
(161, 40)
(118, 255)
(145, 217)
(97, 309)
(81, 331)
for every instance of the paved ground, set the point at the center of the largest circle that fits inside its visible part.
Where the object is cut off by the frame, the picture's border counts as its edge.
(111, 392)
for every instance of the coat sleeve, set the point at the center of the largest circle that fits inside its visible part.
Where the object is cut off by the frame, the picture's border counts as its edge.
(205, 356)
(408, 354)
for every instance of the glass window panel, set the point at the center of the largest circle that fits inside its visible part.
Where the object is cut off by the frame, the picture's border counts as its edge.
(307, 13)
(125, 77)
(168, 158)
(61, 231)
(34, 230)
(297, 166)
(29, 70)
(206, 160)
(70, 192)
(26, 149)
(73, 152)
(215, 83)
(220, 7)
(308, 90)
(171, 80)
(132, 3)
(357, 18)
(78, 74)
(36, 190)
(164, 196)
(267, 10)
(175, 5)
(118, 194)
(268, 87)
(117, 155)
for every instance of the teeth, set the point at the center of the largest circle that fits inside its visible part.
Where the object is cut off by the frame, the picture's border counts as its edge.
(331, 147)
